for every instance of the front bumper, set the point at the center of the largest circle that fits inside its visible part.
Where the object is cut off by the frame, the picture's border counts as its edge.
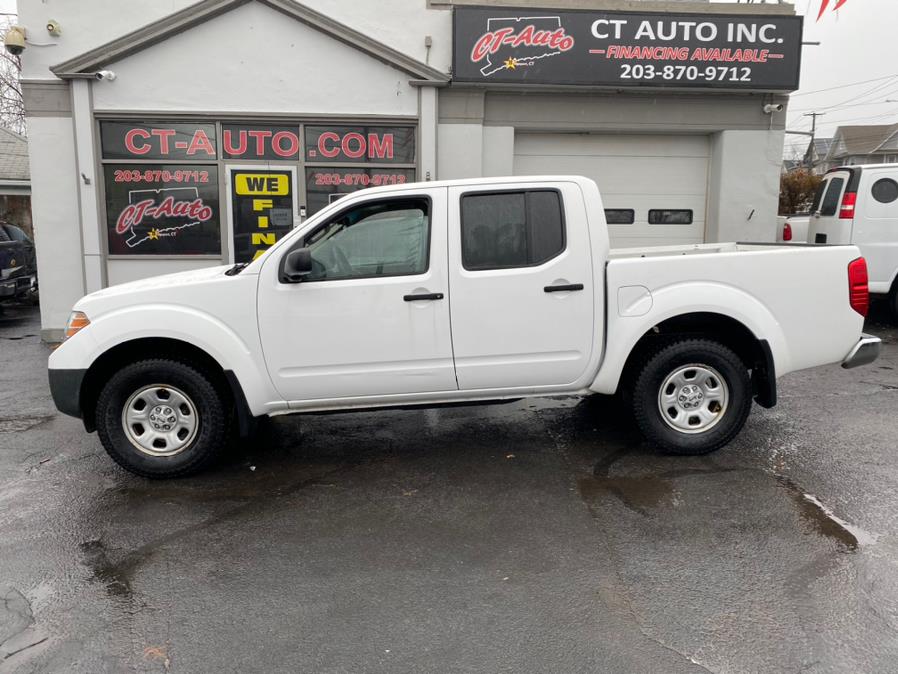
(65, 387)
(864, 352)
(16, 286)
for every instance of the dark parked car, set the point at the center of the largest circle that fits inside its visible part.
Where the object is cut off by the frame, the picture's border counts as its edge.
(18, 264)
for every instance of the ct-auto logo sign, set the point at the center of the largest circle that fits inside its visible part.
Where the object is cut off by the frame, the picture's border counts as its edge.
(626, 49)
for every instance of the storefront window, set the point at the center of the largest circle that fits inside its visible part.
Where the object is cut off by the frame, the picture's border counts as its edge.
(360, 144)
(162, 209)
(234, 188)
(277, 143)
(158, 140)
(325, 185)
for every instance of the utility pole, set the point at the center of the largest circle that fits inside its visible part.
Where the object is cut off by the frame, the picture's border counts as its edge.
(813, 116)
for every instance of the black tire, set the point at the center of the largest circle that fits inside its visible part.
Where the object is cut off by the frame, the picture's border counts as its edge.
(673, 357)
(212, 409)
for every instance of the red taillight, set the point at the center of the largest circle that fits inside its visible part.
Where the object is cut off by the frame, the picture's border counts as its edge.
(858, 290)
(787, 232)
(849, 200)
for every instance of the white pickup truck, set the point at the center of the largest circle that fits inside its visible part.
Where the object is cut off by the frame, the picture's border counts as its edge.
(446, 292)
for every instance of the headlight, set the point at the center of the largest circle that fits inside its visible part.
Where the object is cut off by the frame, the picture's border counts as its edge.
(77, 321)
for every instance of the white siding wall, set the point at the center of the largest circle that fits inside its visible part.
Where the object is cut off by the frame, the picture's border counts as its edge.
(256, 59)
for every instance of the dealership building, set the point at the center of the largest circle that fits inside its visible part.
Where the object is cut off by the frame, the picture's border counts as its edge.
(175, 135)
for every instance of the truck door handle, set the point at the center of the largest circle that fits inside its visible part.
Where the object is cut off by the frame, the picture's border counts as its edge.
(565, 288)
(423, 296)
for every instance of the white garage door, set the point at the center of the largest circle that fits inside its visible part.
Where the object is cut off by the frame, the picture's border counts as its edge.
(655, 186)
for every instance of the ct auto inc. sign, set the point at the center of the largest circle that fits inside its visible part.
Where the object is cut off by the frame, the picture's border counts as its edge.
(626, 49)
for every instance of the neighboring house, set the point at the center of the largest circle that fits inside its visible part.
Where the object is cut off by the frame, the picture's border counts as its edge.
(790, 165)
(816, 156)
(15, 181)
(872, 144)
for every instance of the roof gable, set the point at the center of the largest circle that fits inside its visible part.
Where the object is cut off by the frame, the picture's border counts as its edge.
(205, 10)
(862, 139)
(890, 144)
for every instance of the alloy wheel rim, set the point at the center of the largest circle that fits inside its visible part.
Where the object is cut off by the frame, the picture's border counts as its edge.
(160, 420)
(693, 399)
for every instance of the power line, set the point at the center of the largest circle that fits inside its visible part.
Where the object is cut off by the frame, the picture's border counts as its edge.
(843, 107)
(859, 96)
(843, 86)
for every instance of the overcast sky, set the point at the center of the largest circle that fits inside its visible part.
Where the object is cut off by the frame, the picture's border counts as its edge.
(854, 65)
(852, 74)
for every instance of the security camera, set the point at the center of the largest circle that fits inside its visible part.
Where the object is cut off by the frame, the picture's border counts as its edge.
(14, 41)
(105, 75)
(770, 108)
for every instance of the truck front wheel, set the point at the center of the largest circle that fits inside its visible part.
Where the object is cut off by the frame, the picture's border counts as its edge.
(162, 418)
(692, 396)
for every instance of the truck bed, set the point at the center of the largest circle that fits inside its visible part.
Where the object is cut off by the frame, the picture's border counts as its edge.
(794, 296)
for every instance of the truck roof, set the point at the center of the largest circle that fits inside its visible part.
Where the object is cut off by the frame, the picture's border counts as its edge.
(498, 180)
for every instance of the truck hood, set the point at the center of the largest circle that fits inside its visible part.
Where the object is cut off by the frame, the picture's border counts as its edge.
(156, 289)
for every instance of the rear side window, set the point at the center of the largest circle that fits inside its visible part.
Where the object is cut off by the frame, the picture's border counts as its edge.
(511, 229)
(3, 235)
(831, 199)
(670, 216)
(885, 191)
(620, 216)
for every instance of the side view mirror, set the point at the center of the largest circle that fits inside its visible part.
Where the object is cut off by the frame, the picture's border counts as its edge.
(297, 265)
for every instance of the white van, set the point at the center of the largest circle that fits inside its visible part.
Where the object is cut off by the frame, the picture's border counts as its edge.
(858, 205)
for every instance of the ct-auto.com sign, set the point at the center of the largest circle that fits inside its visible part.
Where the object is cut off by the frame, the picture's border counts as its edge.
(625, 49)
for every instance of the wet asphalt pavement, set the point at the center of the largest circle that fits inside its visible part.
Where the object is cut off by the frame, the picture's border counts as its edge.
(528, 537)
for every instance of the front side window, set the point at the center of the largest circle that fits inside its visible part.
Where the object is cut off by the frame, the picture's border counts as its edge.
(511, 229)
(384, 238)
(831, 199)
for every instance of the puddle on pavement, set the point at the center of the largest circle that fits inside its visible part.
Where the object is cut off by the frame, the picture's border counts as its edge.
(649, 491)
(113, 576)
(637, 493)
(823, 521)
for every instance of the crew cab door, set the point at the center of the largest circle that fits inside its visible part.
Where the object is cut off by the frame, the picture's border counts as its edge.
(521, 283)
(373, 317)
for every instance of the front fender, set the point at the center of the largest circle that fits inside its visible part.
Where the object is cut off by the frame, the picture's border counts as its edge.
(623, 333)
(233, 352)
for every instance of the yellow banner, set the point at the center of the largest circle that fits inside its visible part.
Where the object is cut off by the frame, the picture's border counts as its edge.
(252, 184)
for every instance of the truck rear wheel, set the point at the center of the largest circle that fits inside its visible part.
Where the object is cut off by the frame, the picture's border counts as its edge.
(162, 418)
(692, 397)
